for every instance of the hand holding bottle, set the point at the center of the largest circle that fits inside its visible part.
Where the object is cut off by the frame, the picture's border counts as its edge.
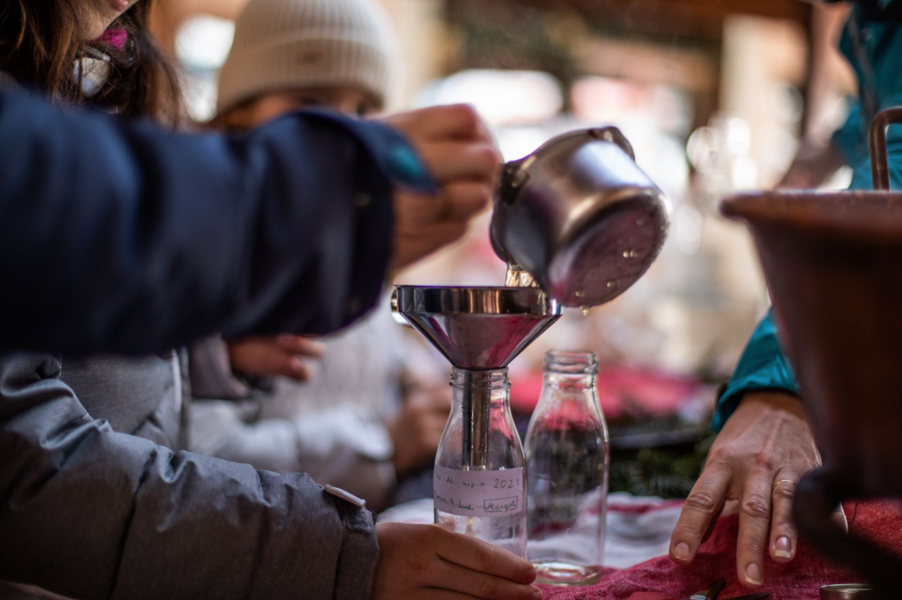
(425, 561)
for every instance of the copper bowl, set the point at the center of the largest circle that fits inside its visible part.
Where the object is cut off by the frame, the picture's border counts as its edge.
(833, 263)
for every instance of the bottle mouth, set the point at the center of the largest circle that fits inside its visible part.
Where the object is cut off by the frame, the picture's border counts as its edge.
(487, 379)
(571, 362)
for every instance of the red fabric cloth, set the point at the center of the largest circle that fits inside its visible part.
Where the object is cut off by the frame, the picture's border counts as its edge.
(621, 390)
(799, 580)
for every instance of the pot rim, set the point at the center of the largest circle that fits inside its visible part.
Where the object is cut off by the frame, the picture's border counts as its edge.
(802, 211)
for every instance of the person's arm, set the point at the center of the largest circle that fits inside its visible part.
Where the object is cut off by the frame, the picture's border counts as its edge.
(89, 513)
(762, 367)
(763, 449)
(116, 236)
(757, 460)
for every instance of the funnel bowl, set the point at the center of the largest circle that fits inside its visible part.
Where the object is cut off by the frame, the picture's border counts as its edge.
(478, 327)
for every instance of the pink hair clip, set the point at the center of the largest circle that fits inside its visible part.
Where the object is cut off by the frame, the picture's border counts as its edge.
(114, 38)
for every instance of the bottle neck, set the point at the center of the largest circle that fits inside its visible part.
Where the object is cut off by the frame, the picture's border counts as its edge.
(488, 387)
(491, 380)
(573, 372)
(571, 362)
(480, 397)
(570, 382)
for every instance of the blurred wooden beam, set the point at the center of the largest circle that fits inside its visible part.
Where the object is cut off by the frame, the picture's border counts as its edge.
(698, 19)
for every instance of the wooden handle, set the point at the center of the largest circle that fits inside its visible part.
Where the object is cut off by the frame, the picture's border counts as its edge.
(879, 160)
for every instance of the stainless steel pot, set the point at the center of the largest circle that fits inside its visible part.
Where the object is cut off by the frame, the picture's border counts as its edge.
(580, 217)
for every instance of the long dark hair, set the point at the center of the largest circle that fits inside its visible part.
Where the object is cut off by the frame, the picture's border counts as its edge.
(40, 42)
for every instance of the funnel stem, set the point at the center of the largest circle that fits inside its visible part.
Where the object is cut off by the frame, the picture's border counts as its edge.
(475, 390)
(477, 405)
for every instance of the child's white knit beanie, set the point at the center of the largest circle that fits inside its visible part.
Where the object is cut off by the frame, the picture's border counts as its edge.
(289, 44)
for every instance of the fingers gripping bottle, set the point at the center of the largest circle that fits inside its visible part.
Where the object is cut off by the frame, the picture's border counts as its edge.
(567, 457)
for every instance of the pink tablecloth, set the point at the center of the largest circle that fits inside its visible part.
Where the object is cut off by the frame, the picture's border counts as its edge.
(638, 535)
(798, 580)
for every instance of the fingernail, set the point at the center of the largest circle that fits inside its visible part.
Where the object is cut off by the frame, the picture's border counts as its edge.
(531, 574)
(783, 549)
(537, 594)
(753, 574)
(682, 551)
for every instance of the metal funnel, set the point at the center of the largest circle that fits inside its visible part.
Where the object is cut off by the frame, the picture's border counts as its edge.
(478, 328)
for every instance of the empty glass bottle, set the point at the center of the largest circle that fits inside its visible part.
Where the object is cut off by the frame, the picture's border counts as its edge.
(567, 459)
(480, 476)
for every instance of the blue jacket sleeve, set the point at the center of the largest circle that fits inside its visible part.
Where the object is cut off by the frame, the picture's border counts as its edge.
(117, 236)
(763, 366)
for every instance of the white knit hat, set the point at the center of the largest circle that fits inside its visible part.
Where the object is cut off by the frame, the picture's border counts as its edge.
(290, 44)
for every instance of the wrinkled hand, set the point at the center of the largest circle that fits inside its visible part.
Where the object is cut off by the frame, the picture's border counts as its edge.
(428, 562)
(760, 455)
(417, 429)
(280, 355)
(461, 155)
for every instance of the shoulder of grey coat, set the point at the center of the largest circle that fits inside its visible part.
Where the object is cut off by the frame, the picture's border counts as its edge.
(87, 512)
(145, 396)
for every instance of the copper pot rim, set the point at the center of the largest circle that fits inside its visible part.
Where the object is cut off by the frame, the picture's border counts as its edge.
(806, 212)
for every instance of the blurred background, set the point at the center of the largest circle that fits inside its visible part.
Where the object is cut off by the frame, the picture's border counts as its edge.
(715, 96)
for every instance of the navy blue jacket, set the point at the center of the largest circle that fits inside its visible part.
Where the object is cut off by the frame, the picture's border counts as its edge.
(116, 236)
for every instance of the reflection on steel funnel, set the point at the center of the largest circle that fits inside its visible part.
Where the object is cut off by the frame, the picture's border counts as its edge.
(481, 327)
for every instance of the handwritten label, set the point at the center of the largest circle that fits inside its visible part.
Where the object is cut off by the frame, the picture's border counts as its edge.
(479, 493)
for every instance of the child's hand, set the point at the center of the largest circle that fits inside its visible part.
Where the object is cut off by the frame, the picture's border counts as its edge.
(426, 561)
(280, 355)
(417, 430)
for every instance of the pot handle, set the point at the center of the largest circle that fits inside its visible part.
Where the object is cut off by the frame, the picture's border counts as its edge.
(614, 136)
(879, 159)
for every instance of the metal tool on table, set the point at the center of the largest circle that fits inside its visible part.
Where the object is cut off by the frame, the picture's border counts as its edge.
(847, 591)
(713, 591)
(833, 262)
(660, 596)
(709, 593)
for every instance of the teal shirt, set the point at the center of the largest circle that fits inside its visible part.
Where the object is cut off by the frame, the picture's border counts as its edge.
(763, 365)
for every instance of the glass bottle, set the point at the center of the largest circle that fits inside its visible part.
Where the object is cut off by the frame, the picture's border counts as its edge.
(567, 456)
(480, 476)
